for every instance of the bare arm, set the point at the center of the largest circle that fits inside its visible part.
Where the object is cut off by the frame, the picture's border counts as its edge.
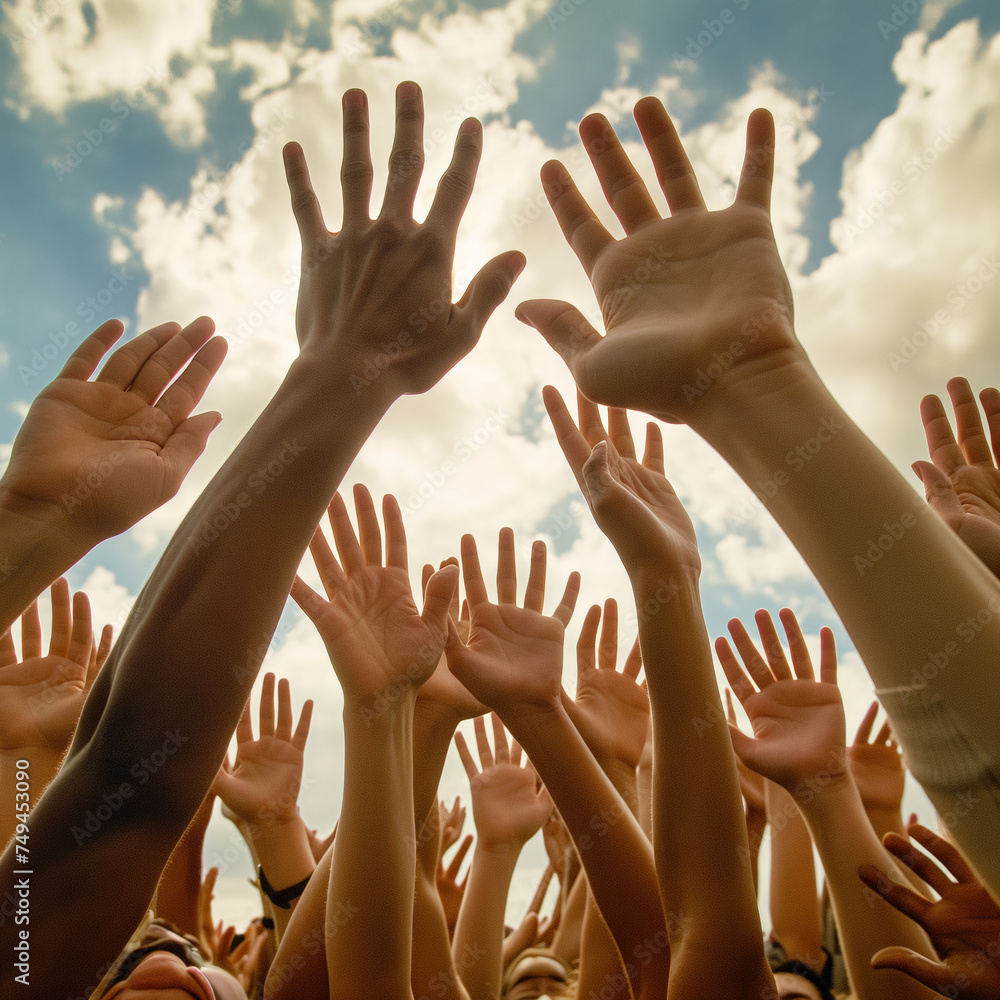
(181, 671)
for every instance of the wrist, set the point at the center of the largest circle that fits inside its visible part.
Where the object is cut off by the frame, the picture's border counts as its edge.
(499, 852)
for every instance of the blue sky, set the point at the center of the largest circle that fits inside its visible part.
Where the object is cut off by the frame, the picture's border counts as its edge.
(141, 159)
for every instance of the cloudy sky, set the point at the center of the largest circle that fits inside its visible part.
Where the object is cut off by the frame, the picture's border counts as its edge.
(143, 180)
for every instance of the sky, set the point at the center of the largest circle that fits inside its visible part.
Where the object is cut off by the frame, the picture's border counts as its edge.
(143, 180)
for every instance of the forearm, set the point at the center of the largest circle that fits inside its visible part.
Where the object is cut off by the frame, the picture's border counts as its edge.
(203, 622)
(615, 853)
(794, 905)
(700, 839)
(922, 612)
(179, 887)
(845, 840)
(756, 828)
(195, 638)
(569, 934)
(478, 945)
(282, 850)
(374, 861)
(42, 767)
(37, 545)
(433, 971)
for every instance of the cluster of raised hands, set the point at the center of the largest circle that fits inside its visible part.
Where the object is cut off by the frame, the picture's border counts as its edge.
(653, 803)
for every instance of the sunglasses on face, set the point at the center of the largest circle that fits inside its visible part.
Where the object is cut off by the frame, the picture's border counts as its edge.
(184, 950)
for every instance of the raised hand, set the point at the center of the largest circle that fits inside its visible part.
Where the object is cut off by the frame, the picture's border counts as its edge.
(798, 722)
(377, 639)
(877, 766)
(100, 455)
(262, 786)
(452, 821)
(41, 696)
(962, 481)
(390, 276)
(632, 501)
(678, 293)
(963, 925)
(442, 689)
(451, 891)
(514, 654)
(508, 806)
(611, 709)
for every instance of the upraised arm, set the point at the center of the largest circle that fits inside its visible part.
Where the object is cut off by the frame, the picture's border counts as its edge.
(382, 648)
(798, 742)
(181, 672)
(699, 841)
(698, 319)
(513, 663)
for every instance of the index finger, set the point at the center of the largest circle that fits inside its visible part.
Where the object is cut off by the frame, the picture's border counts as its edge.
(574, 445)
(585, 234)
(305, 204)
(455, 187)
(472, 575)
(865, 729)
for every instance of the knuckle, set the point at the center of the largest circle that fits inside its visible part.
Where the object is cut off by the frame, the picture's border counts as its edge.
(456, 185)
(356, 171)
(405, 163)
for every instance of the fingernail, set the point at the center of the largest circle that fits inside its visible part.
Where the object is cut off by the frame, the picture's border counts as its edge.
(516, 262)
(354, 100)
(407, 90)
(471, 125)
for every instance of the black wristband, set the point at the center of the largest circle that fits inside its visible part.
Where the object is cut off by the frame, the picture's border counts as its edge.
(282, 898)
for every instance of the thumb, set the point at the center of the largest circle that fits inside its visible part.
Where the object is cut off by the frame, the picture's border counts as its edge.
(186, 444)
(490, 286)
(938, 489)
(564, 327)
(745, 747)
(437, 599)
(924, 970)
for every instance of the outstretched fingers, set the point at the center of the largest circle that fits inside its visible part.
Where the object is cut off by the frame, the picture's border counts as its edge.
(583, 231)
(305, 204)
(757, 174)
(623, 187)
(673, 168)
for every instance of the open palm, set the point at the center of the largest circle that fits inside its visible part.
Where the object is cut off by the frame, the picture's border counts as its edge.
(373, 630)
(109, 451)
(798, 722)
